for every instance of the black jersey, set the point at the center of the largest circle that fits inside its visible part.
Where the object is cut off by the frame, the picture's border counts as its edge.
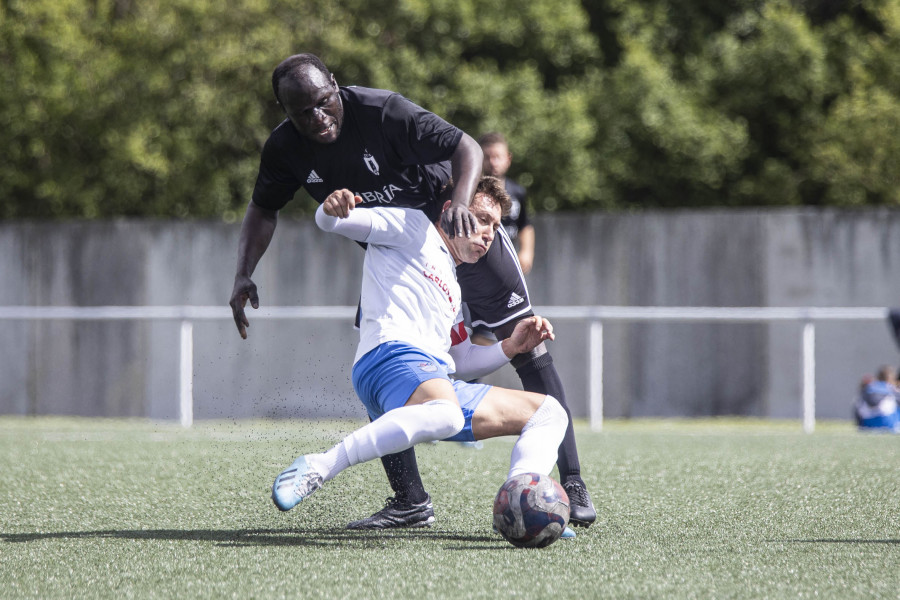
(517, 219)
(494, 288)
(390, 151)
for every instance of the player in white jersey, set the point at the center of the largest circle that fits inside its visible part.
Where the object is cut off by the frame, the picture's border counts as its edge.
(412, 339)
(391, 151)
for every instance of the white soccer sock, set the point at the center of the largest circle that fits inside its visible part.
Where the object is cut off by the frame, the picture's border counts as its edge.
(536, 449)
(394, 431)
(330, 463)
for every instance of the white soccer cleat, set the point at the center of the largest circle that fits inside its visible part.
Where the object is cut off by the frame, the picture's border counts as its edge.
(294, 484)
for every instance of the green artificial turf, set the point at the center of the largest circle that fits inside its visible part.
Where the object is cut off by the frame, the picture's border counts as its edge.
(688, 509)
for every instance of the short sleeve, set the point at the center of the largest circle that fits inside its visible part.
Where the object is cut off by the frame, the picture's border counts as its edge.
(419, 137)
(276, 183)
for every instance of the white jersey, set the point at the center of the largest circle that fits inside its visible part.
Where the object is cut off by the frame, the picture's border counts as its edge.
(409, 288)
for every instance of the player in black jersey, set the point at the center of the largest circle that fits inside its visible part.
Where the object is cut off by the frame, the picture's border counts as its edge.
(497, 160)
(518, 227)
(387, 150)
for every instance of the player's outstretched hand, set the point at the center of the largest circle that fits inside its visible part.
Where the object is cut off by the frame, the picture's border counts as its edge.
(527, 335)
(244, 290)
(458, 221)
(339, 203)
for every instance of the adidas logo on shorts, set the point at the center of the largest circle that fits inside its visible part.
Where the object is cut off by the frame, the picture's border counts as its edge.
(313, 177)
(515, 300)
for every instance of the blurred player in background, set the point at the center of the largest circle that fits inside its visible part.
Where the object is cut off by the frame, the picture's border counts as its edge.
(390, 151)
(412, 338)
(497, 159)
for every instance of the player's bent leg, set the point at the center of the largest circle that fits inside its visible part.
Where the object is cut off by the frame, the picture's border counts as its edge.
(396, 430)
(433, 420)
(393, 432)
(538, 436)
(431, 413)
(539, 421)
(538, 374)
(503, 411)
(411, 505)
(403, 428)
(545, 429)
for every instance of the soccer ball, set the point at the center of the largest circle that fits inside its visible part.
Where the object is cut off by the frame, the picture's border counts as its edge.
(531, 510)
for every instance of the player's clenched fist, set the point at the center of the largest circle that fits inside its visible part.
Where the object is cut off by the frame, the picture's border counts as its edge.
(339, 203)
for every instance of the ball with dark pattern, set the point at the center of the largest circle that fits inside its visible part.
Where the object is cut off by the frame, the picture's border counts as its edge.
(531, 510)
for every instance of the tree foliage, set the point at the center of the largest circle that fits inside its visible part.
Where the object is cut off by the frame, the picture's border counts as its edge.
(160, 107)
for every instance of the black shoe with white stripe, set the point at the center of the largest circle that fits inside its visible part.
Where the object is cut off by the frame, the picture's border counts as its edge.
(398, 513)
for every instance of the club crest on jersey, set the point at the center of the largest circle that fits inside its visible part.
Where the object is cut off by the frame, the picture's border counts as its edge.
(371, 163)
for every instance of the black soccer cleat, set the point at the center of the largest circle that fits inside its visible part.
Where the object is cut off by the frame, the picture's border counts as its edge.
(581, 509)
(398, 513)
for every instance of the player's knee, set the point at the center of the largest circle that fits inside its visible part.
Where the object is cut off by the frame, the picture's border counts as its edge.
(448, 418)
(558, 417)
(550, 415)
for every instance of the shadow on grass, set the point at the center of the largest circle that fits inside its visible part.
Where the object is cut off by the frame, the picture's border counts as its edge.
(274, 537)
(837, 541)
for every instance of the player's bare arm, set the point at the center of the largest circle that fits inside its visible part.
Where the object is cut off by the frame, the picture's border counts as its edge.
(257, 230)
(529, 333)
(339, 203)
(465, 165)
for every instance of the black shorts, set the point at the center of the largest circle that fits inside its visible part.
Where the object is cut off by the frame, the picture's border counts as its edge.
(494, 287)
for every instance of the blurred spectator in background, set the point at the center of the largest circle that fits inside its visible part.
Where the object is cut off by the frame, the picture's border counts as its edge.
(497, 159)
(876, 405)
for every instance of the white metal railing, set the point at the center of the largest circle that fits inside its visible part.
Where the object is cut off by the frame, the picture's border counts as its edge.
(594, 315)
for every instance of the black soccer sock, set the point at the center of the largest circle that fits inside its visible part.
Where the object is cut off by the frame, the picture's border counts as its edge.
(403, 474)
(539, 375)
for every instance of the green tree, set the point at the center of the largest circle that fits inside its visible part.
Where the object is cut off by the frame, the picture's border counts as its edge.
(160, 107)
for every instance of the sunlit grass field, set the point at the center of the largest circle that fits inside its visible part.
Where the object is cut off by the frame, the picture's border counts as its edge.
(688, 509)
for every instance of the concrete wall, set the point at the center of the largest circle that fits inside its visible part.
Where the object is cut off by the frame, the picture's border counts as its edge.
(679, 258)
